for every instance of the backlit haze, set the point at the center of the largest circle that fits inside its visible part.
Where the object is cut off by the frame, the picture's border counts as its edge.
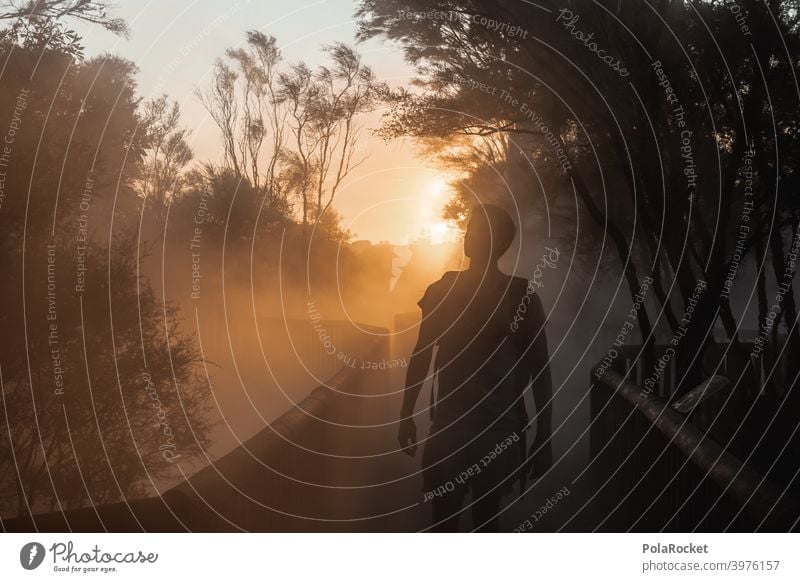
(393, 196)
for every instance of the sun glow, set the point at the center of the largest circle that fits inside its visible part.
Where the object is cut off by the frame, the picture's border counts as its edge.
(436, 229)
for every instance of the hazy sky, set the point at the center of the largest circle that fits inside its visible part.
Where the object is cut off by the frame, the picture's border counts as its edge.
(394, 195)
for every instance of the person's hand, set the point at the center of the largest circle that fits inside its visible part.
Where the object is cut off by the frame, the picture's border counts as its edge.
(540, 457)
(407, 436)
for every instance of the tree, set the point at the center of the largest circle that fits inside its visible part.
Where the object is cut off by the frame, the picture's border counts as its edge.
(325, 106)
(36, 24)
(310, 118)
(166, 157)
(243, 103)
(599, 125)
(101, 391)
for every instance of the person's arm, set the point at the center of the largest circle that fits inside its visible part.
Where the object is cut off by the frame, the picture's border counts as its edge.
(542, 388)
(417, 374)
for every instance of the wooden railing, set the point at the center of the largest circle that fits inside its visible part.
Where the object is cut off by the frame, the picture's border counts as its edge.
(656, 470)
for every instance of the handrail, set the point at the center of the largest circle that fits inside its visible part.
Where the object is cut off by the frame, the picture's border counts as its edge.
(758, 497)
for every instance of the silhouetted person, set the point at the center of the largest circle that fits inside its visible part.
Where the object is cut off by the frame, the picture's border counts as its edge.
(488, 329)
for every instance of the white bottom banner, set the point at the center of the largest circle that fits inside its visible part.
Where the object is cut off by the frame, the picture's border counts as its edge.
(377, 557)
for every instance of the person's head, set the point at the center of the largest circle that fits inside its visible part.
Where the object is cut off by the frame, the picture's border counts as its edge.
(490, 232)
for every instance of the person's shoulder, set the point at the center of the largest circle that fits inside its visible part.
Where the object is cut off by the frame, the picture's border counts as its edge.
(445, 281)
(439, 289)
(449, 277)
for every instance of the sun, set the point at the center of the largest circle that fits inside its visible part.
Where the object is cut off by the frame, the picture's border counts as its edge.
(439, 188)
(441, 232)
(435, 229)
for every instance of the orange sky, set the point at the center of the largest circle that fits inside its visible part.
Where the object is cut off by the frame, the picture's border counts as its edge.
(394, 196)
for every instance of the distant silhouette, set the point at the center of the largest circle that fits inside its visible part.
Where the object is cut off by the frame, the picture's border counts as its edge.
(488, 329)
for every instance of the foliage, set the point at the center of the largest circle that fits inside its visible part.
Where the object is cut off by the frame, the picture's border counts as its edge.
(101, 392)
(665, 184)
(308, 119)
(40, 24)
